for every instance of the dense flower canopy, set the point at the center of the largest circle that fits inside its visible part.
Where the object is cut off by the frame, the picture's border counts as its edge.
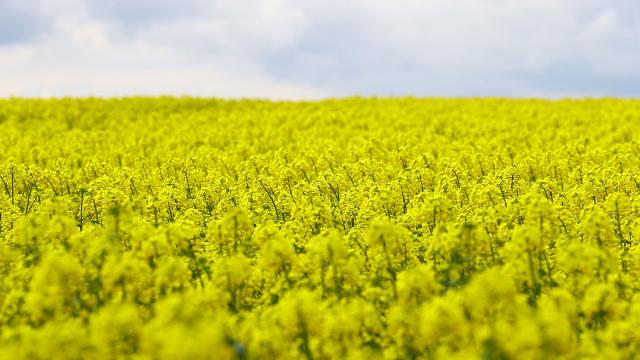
(164, 228)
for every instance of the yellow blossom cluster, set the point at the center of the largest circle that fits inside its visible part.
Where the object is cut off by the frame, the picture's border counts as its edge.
(182, 228)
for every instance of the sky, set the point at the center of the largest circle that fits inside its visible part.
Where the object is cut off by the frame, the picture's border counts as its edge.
(312, 49)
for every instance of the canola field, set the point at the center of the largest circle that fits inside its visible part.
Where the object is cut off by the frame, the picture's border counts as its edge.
(181, 228)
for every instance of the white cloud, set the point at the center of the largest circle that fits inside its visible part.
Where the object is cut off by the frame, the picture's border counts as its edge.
(475, 47)
(248, 29)
(302, 49)
(208, 57)
(84, 61)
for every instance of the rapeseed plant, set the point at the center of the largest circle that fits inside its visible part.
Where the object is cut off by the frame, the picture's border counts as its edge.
(163, 228)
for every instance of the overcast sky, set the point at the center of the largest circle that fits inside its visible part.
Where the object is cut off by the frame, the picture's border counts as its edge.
(306, 49)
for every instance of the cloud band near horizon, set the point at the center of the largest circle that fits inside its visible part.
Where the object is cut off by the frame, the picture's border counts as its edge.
(309, 49)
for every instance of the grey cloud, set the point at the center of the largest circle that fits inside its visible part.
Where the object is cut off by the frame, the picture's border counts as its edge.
(496, 51)
(135, 14)
(21, 21)
(367, 47)
(336, 50)
(581, 79)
